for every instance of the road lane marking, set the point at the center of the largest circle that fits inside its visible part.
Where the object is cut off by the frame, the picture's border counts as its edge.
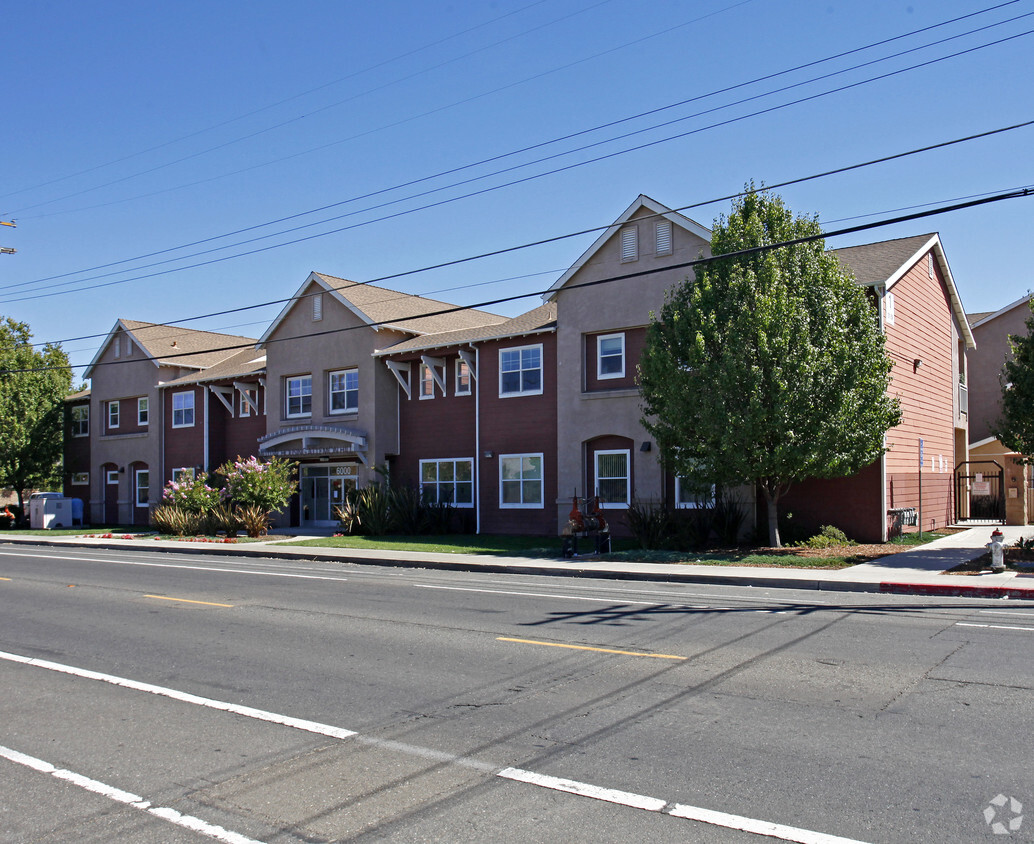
(177, 566)
(119, 796)
(550, 595)
(677, 810)
(185, 697)
(772, 830)
(994, 626)
(188, 601)
(586, 648)
(5, 578)
(1007, 612)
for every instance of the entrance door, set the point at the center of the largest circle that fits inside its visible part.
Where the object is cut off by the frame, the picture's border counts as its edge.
(110, 494)
(980, 491)
(322, 489)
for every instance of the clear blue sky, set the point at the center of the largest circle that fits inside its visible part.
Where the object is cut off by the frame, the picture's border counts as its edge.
(133, 128)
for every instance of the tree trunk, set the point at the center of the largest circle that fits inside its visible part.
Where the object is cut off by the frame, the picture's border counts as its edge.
(772, 500)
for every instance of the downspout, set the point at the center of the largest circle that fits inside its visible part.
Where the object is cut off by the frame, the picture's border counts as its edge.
(477, 438)
(883, 456)
(205, 431)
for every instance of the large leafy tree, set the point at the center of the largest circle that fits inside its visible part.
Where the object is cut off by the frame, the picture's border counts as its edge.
(769, 367)
(1015, 426)
(33, 385)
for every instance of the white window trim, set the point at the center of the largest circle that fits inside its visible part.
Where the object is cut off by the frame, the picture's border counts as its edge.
(542, 483)
(77, 424)
(136, 487)
(347, 409)
(453, 460)
(143, 414)
(542, 371)
(111, 477)
(692, 505)
(459, 389)
(114, 406)
(183, 473)
(183, 410)
(317, 307)
(80, 479)
(425, 374)
(600, 374)
(613, 505)
(303, 414)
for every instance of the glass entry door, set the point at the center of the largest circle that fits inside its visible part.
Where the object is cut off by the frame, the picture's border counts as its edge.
(323, 488)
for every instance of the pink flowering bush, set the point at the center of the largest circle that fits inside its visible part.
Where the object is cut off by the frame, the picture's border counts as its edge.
(191, 495)
(257, 488)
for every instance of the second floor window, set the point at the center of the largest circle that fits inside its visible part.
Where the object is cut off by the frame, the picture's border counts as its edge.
(113, 414)
(299, 396)
(81, 420)
(462, 378)
(344, 391)
(182, 410)
(141, 411)
(520, 371)
(610, 356)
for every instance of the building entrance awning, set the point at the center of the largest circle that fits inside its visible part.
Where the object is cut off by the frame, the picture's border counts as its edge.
(314, 441)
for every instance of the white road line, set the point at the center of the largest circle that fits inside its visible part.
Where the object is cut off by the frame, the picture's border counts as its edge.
(595, 792)
(1006, 612)
(186, 697)
(994, 626)
(182, 566)
(119, 796)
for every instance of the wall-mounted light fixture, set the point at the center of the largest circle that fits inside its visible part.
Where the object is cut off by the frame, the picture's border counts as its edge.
(646, 446)
(489, 454)
(918, 362)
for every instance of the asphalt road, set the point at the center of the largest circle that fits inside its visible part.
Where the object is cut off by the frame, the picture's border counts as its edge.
(168, 698)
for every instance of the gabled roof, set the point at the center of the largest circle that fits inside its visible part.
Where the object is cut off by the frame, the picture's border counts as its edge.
(172, 345)
(244, 364)
(540, 320)
(642, 201)
(980, 319)
(379, 307)
(884, 263)
(78, 396)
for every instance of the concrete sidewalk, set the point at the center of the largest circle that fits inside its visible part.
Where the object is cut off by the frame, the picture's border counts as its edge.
(917, 571)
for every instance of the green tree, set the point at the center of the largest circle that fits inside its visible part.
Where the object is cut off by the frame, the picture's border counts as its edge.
(769, 367)
(1015, 425)
(33, 386)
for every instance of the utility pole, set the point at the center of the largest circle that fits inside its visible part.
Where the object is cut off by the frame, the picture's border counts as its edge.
(7, 250)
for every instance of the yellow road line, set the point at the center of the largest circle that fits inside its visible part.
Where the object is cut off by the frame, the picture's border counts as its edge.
(5, 578)
(185, 601)
(584, 648)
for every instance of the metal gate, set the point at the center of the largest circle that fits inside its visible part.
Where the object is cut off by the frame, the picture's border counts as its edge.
(980, 491)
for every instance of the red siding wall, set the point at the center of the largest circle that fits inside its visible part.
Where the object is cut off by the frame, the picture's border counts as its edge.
(184, 447)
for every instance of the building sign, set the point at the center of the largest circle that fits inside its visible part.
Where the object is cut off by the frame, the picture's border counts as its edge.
(981, 488)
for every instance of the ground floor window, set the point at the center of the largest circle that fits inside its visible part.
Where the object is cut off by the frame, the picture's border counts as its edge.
(692, 495)
(520, 480)
(80, 478)
(448, 481)
(143, 487)
(614, 477)
(182, 475)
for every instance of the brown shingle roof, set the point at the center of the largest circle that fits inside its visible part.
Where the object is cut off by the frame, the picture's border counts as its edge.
(406, 312)
(873, 263)
(542, 318)
(186, 347)
(247, 363)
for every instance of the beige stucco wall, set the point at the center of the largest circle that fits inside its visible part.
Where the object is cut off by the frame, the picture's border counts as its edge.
(621, 305)
(127, 377)
(311, 350)
(985, 365)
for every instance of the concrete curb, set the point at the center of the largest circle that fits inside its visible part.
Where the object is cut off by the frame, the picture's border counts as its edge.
(575, 568)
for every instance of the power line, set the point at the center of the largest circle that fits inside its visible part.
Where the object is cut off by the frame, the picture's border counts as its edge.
(1017, 193)
(532, 147)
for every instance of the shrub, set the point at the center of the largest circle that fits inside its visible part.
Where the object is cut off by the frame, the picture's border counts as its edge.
(192, 495)
(224, 517)
(252, 483)
(173, 520)
(253, 519)
(827, 537)
(650, 523)
(727, 518)
(366, 511)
